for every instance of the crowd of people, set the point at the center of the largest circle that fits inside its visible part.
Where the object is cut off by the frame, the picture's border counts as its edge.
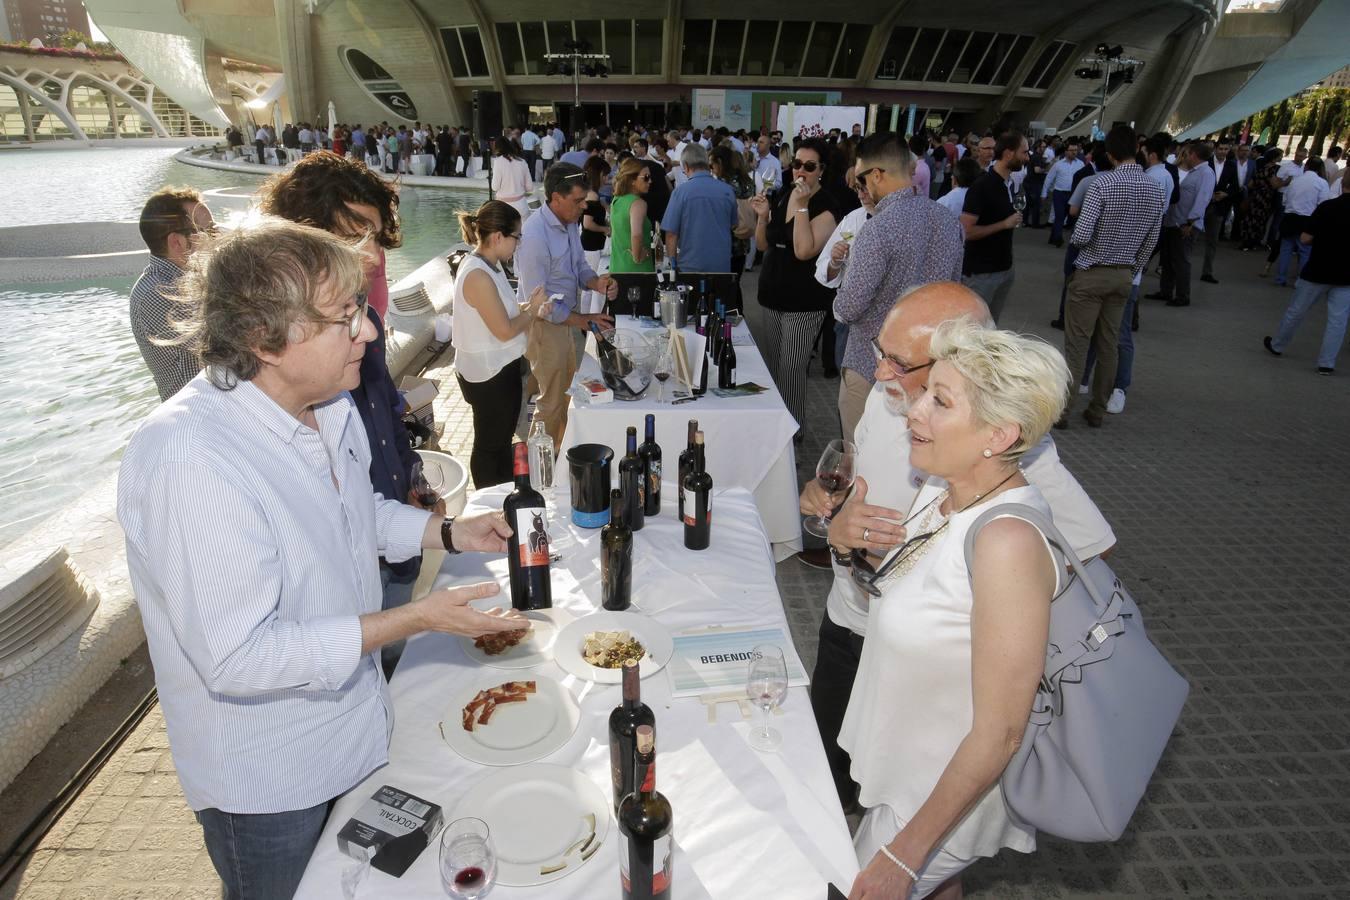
(274, 621)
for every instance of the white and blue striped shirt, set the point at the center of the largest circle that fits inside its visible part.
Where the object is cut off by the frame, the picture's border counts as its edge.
(251, 569)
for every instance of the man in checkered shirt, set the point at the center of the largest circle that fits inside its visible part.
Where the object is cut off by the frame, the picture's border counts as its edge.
(1117, 228)
(173, 222)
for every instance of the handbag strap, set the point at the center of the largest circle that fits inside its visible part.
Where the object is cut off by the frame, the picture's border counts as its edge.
(1046, 527)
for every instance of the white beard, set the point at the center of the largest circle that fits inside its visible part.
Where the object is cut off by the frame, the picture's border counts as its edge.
(897, 402)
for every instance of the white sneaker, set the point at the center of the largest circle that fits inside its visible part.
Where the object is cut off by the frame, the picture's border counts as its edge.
(1082, 390)
(1116, 404)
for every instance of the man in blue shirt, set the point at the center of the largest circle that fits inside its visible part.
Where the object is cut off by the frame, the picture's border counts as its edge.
(700, 218)
(550, 255)
(529, 142)
(594, 147)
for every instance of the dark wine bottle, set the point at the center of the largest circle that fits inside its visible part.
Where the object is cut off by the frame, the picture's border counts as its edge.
(697, 489)
(714, 330)
(726, 366)
(616, 558)
(701, 309)
(624, 721)
(646, 841)
(650, 454)
(632, 484)
(616, 359)
(701, 386)
(686, 465)
(527, 549)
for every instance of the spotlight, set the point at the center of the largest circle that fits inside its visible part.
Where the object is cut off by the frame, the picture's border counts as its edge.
(1084, 72)
(1101, 49)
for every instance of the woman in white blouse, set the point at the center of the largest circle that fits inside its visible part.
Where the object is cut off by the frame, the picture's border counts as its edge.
(948, 672)
(490, 333)
(511, 182)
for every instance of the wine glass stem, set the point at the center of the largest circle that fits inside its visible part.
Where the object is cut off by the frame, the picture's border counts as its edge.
(765, 710)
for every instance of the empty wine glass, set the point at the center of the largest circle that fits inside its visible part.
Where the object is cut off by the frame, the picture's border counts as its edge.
(634, 299)
(1019, 203)
(468, 861)
(835, 474)
(766, 686)
(427, 483)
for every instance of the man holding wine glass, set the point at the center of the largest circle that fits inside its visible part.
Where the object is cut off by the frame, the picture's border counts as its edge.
(988, 218)
(253, 537)
(550, 254)
(884, 485)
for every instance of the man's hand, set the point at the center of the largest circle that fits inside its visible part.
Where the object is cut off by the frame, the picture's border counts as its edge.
(484, 532)
(607, 286)
(439, 508)
(1186, 229)
(449, 611)
(605, 321)
(839, 253)
(816, 501)
(858, 516)
(1013, 221)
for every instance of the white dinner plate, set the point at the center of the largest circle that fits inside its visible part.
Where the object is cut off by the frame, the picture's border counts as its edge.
(517, 732)
(654, 636)
(540, 817)
(535, 649)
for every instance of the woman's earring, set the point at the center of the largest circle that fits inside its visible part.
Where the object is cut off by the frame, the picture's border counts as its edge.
(988, 453)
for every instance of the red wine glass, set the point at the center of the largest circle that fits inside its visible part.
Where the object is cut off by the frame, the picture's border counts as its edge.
(468, 861)
(834, 472)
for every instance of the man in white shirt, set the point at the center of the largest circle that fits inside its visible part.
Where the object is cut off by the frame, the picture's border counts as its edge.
(1301, 197)
(886, 485)
(260, 138)
(767, 166)
(1059, 187)
(252, 539)
(306, 138)
(548, 149)
(834, 255)
(1333, 163)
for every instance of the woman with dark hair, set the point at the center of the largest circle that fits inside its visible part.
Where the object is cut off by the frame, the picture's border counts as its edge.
(595, 228)
(511, 182)
(631, 250)
(729, 166)
(792, 233)
(1261, 198)
(490, 335)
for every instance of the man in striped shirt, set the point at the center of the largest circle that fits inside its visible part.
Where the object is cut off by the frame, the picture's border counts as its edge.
(1116, 230)
(253, 536)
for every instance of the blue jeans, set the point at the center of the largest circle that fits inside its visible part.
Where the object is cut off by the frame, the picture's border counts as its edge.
(1288, 247)
(1060, 199)
(262, 856)
(1306, 293)
(1124, 347)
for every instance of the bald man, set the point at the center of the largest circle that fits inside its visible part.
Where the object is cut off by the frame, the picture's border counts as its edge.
(886, 485)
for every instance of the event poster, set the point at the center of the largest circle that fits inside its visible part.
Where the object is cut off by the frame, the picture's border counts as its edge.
(718, 659)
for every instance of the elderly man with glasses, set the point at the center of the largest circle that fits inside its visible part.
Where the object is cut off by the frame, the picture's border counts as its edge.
(866, 531)
(252, 538)
(172, 223)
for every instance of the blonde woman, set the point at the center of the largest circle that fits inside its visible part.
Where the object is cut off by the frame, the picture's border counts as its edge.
(490, 336)
(948, 671)
(631, 230)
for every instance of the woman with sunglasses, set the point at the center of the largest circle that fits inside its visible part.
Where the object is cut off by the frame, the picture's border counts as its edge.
(792, 232)
(954, 653)
(631, 245)
(490, 336)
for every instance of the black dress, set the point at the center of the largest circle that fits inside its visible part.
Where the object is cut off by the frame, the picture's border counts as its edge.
(594, 240)
(786, 283)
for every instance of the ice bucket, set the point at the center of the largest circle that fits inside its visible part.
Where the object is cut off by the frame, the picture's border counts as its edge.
(588, 472)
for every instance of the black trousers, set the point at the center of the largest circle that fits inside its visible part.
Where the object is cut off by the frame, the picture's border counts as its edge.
(496, 407)
(837, 661)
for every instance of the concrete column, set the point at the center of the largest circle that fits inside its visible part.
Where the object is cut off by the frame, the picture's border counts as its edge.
(876, 44)
(112, 116)
(26, 111)
(674, 17)
(1175, 68)
(487, 32)
(296, 42)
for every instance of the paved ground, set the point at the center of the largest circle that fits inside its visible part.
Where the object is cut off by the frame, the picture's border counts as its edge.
(1226, 482)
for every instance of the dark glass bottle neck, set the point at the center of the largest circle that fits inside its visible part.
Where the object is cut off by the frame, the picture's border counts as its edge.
(650, 430)
(632, 442)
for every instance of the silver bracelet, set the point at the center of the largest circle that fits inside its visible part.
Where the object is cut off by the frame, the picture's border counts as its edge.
(913, 876)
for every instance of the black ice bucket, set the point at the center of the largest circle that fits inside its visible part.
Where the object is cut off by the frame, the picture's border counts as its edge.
(588, 468)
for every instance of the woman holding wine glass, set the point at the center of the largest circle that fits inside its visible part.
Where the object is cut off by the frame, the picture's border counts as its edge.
(792, 232)
(631, 250)
(490, 336)
(955, 650)
(595, 227)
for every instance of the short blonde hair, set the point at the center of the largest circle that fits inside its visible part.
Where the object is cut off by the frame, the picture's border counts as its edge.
(247, 288)
(1012, 379)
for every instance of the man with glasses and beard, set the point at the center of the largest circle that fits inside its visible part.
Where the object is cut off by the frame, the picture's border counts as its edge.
(173, 221)
(868, 526)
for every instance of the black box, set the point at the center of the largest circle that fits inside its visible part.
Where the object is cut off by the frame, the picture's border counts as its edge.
(391, 829)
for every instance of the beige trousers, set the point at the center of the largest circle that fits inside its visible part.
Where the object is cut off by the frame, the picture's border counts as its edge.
(853, 391)
(553, 361)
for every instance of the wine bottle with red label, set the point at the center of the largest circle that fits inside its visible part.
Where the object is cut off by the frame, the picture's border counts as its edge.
(527, 549)
(686, 465)
(624, 721)
(646, 835)
(697, 489)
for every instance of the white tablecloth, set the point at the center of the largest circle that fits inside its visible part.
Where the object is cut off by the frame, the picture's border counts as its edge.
(423, 164)
(747, 824)
(749, 439)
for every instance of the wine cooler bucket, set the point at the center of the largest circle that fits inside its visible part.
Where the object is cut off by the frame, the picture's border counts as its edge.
(588, 468)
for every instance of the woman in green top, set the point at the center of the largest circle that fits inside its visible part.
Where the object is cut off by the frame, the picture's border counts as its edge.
(630, 229)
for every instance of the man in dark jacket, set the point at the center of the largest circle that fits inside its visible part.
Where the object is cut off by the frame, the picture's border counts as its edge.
(1226, 190)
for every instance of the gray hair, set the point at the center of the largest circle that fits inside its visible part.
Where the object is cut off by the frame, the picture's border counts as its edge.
(1012, 379)
(251, 289)
(694, 157)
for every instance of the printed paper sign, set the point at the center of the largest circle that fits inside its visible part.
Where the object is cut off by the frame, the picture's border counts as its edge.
(719, 660)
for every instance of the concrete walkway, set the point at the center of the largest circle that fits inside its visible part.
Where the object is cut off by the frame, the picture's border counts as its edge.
(1226, 481)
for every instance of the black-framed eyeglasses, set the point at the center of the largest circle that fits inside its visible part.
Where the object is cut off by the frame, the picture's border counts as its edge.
(355, 320)
(896, 366)
(806, 165)
(867, 577)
